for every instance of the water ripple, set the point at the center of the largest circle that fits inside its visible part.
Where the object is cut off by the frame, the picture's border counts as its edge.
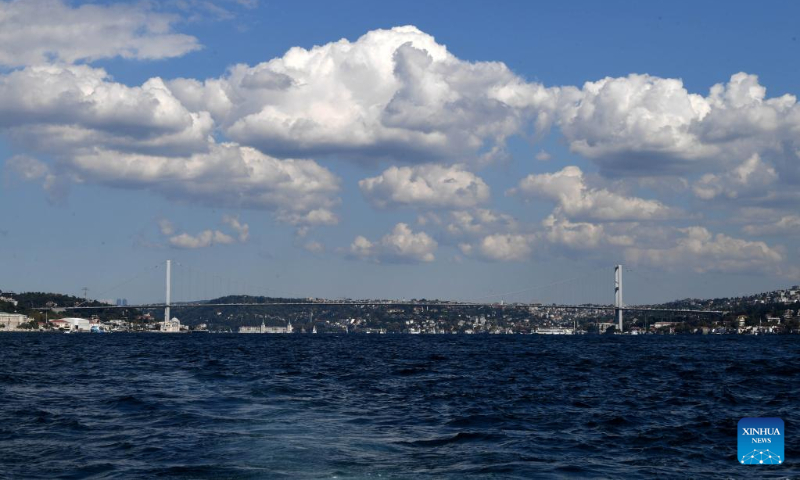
(350, 406)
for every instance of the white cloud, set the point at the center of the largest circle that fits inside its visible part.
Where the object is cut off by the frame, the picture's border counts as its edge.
(166, 227)
(203, 239)
(31, 169)
(786, 224)
(317, 216)
(143, 137)
(390, 94)
(28, 168)
(402, 245)
(298, 191)
(643, 125)
(242, 229)
(574, 198)
(703, 251)
(42, 31)
(561, 232)
(314, 247)
(361, 248)
(59, 109)
(466, 248)
(505, 247)
(636, 115)
(752, 176)
(479, 221)
(543, 156)
(206, 238)
(425, 186)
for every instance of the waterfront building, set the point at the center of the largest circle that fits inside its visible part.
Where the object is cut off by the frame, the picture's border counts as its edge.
(12, 321)
(77, 324)
(740, 320)
(171, 326)
(60, 324)
(602, 327)
(669, 325)
(554, 331)
(266, 329)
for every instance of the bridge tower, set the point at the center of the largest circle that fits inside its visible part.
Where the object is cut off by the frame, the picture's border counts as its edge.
(166, 309)
(618, 296)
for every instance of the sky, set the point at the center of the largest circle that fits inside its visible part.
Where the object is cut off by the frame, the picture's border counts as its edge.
(403, 150)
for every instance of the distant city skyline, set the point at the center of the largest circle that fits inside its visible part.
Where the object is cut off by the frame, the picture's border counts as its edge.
(399, 151)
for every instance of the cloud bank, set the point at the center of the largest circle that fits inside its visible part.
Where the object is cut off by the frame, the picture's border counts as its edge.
(259, 136)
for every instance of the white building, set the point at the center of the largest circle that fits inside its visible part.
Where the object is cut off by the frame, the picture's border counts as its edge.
(12, 321)
(77, 324)
(554, 331)
(171, 326)
(265, 329)
(9, 300)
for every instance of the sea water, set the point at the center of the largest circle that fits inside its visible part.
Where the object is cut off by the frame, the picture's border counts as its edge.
(390, 406)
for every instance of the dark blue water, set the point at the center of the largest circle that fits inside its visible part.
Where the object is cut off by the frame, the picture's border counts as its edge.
(396, 406)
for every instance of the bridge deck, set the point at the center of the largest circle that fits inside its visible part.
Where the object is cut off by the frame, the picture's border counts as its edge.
(397, 304)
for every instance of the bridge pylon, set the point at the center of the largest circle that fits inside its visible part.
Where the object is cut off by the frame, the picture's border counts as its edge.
(618, 296)
(169, 287)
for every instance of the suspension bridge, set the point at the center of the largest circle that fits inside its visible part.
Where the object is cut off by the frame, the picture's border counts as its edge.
(618, 306)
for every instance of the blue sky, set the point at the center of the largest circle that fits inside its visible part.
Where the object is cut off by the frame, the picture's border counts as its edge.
(418, 151)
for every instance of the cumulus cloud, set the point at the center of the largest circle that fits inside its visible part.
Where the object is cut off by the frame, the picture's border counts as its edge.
(644, 125)
(42, 31)
(425, 186)
(31, 169)
(785, 225)
(702, 251)
(57, 108)
(28, 168)
(556, 235)
(166, 227)
(561, 232)
(479, 221)
(574, 198)
(504, 247)
(401, 245)
(314, 247)
(206, 238)
(615, 118)
(298, 191)
(242, 229)
(143, 137)
(317, 216)
(390, 94)
(752, 176)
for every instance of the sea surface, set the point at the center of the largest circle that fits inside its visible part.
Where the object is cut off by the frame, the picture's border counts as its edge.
(391, 406)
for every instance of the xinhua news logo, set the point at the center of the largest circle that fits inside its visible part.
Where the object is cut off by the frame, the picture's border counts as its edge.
(761, 441)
